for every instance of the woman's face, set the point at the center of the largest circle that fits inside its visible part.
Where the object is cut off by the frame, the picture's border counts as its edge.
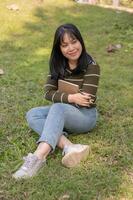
(71, 47)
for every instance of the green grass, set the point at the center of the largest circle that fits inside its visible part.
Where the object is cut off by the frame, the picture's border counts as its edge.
(25, 42)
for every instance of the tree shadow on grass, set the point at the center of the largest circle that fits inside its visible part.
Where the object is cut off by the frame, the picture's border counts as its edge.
(25, 57)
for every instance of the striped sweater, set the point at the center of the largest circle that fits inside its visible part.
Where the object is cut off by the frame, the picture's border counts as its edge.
(87, 81)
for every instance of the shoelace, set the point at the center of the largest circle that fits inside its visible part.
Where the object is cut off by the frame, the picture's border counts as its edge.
(29, 161)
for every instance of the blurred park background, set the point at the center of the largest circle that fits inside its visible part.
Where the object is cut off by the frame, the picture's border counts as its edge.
(26, 34)
(126, 3)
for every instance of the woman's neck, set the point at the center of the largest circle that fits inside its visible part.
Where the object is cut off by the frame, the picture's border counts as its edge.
(72, 64)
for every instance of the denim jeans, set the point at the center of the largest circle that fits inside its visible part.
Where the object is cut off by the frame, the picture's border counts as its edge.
(50, 122)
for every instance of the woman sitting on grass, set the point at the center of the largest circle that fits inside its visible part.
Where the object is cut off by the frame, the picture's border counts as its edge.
(69, 113)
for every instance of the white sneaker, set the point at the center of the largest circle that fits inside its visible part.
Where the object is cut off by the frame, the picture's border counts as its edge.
(30, 167)
(74, 154)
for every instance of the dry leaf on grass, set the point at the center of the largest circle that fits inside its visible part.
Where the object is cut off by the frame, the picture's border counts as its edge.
(64, 197)
(1, 72)
(113, 47)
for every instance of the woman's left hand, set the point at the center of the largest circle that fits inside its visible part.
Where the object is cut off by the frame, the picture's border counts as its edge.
(90, 101)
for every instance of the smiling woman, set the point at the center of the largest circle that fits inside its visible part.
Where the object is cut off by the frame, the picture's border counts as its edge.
(71, 49)
(69, 113)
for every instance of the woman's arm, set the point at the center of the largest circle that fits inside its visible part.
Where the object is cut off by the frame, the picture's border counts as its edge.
(52, 93)
(87, 97)
(87, 93)
(91, 81)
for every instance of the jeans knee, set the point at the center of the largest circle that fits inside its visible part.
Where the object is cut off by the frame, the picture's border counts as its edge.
(30, 115)
(57, 107)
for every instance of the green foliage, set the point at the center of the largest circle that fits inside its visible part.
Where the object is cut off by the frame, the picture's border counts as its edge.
(25, 44)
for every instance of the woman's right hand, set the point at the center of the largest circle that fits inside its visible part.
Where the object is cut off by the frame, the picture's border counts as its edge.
(82, 99)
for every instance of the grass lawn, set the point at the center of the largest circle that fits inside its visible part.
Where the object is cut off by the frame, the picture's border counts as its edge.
(26, 38)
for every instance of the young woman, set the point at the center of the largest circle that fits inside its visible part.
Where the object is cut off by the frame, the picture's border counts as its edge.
(69, 113)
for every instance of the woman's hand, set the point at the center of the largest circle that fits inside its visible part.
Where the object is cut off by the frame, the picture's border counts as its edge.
(82, 99)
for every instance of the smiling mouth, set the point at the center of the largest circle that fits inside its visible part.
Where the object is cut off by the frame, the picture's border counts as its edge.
(73, 54)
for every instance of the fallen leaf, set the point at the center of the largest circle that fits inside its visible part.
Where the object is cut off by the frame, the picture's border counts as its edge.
(111, 48)
(1, 72)
(118, 46)
(64, 197)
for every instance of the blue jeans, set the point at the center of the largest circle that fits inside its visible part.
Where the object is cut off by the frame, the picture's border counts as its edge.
(50, 122)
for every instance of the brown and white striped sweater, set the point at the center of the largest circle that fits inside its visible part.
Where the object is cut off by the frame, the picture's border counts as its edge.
(87, 81)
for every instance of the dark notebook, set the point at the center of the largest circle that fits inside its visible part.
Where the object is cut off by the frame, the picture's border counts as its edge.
(67, 87)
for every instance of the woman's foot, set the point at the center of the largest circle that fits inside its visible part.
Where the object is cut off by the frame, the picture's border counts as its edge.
(74, 154)
(31, 166)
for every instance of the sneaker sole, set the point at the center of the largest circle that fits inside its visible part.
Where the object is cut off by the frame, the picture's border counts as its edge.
(74, 158)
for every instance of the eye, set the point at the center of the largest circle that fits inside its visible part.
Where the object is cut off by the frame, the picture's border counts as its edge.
(64, 45)
(74, 41)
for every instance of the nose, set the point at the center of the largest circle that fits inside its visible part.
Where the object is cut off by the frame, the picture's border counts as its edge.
(71, 48)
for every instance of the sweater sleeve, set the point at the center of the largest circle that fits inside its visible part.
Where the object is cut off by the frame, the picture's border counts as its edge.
(91, 80)
(52, 93)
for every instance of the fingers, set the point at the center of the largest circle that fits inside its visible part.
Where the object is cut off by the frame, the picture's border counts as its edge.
(87, 103)
(91, 101)
(86, 95)
(84, 99)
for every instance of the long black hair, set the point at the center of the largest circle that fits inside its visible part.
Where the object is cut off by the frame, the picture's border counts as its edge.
(57, 61)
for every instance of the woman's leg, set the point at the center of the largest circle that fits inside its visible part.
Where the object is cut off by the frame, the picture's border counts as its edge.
(75, 153)
(49, 122)
(44, 149)
(68, 116)
(32, 163)
(63, 141)
(57, 117)
(36, 118)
